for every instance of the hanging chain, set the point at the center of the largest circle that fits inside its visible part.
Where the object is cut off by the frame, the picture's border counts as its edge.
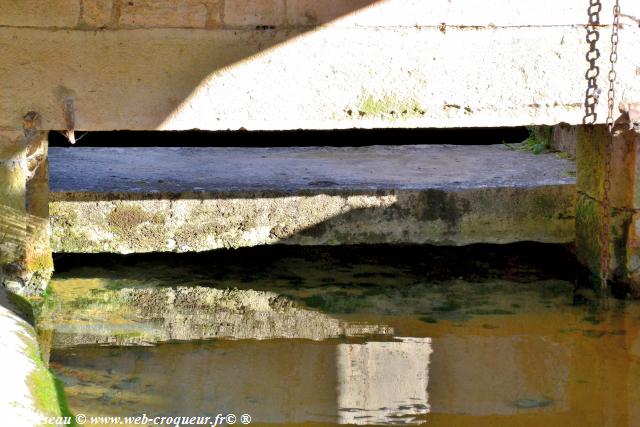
(606, 221)
(592, 56)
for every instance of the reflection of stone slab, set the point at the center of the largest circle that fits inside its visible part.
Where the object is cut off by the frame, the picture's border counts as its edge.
(382, 382)
(158, 314)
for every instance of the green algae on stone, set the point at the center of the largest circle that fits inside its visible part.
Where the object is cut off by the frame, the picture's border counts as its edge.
(389, 107)
(135, 226)
(47, 391)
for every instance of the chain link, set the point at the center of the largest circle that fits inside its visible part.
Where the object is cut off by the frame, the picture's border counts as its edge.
(606, 196)
(592, 56)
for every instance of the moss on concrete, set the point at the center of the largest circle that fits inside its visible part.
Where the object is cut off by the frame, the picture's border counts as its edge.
(124, 218)
(133, 225)
(41, 262)
(590, 159)
(388, 107)
(24, 305)
(46, 390)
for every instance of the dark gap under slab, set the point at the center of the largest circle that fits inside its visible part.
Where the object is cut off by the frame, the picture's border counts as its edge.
(294, 138)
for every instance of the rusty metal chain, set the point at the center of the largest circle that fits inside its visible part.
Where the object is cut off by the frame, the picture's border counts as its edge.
(592, 56)
(606, 196)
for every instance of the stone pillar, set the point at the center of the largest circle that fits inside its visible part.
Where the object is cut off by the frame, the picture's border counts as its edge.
(25, 256)
(624, 247)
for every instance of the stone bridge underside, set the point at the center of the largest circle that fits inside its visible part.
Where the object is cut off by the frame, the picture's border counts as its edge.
(276, 64)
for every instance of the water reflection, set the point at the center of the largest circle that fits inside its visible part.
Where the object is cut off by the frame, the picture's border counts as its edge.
(383, 382)
(275, 382)
(562, 372)
(515, 346)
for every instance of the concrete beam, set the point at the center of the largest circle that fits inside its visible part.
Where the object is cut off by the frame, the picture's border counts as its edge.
(198, 199)
(391, 64)
(124, 14)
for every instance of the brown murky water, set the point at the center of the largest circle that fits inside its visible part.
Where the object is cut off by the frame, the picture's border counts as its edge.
(495, 337)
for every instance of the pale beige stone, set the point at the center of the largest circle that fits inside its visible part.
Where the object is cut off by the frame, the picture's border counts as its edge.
(254, 12)
(314, 12)
(39, 13)
(215, 8)
(497, 13)
(395, 75)
(163, 14)
(97, 13)
(222, 79)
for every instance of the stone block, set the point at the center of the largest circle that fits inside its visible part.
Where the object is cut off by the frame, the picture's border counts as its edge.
(246, 13)
(590, 159)
(29, 392)
(333, 78)
(564, 139)
(97, 13)
(163, 14)
(317, 12)
(589, 215)
(39, 13)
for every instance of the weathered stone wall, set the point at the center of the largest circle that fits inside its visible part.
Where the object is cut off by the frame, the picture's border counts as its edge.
(202, 222)
(271, 64)
(25, 256)
(563, 139)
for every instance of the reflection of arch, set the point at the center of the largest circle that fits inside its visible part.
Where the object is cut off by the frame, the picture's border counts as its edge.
(139, 315)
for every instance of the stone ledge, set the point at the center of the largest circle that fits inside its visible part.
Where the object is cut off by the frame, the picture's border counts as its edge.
(199, 199)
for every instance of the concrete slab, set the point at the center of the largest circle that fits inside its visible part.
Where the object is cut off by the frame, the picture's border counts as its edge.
(192, 199)
(146, 171)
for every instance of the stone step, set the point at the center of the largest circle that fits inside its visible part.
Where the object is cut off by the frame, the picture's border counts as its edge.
(125, 200)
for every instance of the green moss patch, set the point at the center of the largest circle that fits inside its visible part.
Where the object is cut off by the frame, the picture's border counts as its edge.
(47, 391)
(389, 107)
